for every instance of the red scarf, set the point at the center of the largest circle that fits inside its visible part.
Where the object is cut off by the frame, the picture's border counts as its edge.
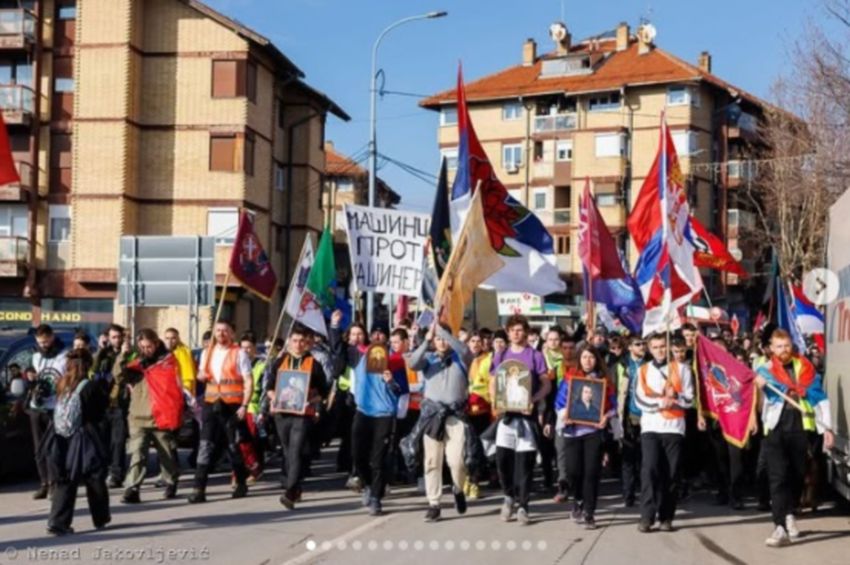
(804, 379)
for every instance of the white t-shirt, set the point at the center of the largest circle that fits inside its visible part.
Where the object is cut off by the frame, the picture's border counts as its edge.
(219, 354)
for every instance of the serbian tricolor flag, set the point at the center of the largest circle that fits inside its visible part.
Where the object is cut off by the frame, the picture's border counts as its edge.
(249, 262)
(606, 280)
(660, 226)
(726, 391)
(810, 320)
(515, 233)
(710, 252)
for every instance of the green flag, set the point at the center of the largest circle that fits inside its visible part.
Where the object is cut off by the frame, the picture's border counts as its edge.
(322, 280)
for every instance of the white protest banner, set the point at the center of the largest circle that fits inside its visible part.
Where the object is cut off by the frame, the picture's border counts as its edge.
(386, 248)
(511, 303)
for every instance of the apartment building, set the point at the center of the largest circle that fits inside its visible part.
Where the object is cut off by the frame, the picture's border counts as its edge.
(591, 110)
(147, 117)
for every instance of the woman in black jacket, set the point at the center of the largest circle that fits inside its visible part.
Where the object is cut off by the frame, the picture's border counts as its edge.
(73, 448)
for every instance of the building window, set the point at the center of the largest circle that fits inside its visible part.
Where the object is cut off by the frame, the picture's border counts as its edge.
(511, 157)
(609, 145)
(232, 79)
(512, 111)
(67, 11)
(59, 216)
(63, 85)
(564, 150)
(686, 142)
(344, 184)
(450, 155)
(562, 244)
(223, 152)
(539, 200)
(251, 86)
(607, 200)
(222, 224)
(448, 116)
(279, 177)
(601, 102)
(14, 221)
(682, 96)
(250, 145)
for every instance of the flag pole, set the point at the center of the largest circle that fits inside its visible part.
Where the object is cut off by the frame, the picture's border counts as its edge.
(289, 291)
(710, 305)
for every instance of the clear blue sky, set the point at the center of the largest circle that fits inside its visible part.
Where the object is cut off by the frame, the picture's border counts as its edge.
(331, 40)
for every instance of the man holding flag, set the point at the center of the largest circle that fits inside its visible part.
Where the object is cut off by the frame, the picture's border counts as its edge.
(226, 368)
(794, 405)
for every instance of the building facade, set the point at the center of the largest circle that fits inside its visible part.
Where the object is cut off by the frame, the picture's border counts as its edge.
(147, 117)
(591, 110)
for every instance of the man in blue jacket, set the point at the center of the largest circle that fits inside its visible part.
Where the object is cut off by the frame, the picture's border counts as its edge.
(379, 382)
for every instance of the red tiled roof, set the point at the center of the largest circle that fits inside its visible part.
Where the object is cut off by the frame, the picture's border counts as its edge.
(337, 164)
(618, 69)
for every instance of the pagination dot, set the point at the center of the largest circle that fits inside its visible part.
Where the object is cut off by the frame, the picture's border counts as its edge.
(464, 545)
(311, 545)
(402, 545)
(326, 546)
(450, 545)
(388, 545)
(496, 545)
(526, 545)
(434, 545)
(542, 545)
(418, 545)
(480, 545)
(511, 545)
(357, 545)
(373, 545)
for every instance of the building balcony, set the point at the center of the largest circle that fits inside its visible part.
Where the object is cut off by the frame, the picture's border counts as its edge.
(17, 29)
(14, 255)
(744, 128)
(18, 104)
(557, 122)
(18, 192)
(739, 172)
(562, 217)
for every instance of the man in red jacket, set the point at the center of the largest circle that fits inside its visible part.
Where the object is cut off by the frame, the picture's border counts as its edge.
(156, 409)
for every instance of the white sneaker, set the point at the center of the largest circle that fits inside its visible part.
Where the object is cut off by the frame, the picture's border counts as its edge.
(779, 538)
(791, 527)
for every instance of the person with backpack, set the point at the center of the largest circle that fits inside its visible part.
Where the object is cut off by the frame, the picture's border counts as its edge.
(73, 448)
(49, 362)
(156, 413)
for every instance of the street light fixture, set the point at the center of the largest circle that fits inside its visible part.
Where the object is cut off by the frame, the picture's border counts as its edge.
(373, 145)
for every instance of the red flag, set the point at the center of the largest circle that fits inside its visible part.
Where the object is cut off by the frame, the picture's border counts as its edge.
(735, 325)
(249, 262)
(726, 390)
(711, 252)
(8, 171)
(402, 307)
(596, 246)
(761, 320)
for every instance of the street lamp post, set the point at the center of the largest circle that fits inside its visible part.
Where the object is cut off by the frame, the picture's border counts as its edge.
(373, 145)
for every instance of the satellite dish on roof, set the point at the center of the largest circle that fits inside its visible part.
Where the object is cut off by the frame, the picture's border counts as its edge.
(647, 33)
(558, 32)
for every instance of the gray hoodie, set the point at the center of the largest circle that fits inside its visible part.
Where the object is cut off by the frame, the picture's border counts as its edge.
(446, 378)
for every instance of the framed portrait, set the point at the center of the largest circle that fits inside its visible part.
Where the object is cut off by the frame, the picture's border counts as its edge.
(513, 387)
(291, 392)
(586, 399)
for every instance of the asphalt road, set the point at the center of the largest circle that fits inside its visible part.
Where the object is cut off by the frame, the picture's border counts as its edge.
(329, 526)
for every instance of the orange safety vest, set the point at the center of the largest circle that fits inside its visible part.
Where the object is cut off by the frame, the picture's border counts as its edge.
(231, 388)
(415, 402)
(307, 367)
(674, 380)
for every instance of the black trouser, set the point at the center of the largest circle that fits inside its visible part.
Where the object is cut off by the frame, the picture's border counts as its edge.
(371, 439)
(479, 423)
(730, 465)
(547, 459)
(292, 430)
(516, 470)
(583, 458)
(344, 406)
(659, 476)
(631, 452)
(39, 422)
(65, 497)
(218, 428)
(785, 454)
(404, 427)
(114, 433)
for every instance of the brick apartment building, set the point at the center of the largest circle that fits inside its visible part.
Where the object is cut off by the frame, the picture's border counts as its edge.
(146, 117)
(591, 109)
